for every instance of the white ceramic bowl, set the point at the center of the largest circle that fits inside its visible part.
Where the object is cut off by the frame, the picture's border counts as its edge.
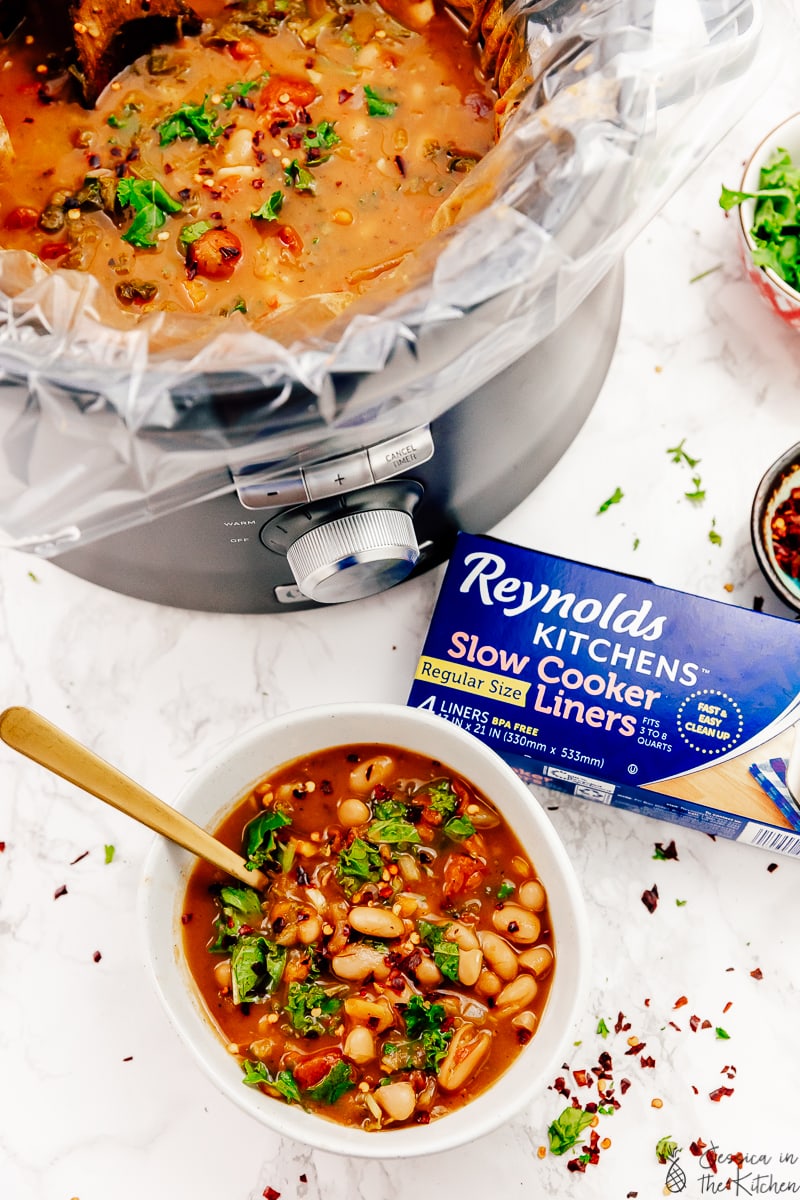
(227, 777)
(782, 298)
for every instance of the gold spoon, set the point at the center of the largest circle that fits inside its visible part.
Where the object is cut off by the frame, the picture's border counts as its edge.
(49, 746)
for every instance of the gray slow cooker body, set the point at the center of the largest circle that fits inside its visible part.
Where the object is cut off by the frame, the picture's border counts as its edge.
(467, 469)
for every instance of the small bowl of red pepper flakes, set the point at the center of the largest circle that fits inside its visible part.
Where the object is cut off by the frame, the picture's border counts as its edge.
(775, 527)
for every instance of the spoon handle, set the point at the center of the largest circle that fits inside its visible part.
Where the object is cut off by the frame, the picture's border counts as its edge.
(36, 738)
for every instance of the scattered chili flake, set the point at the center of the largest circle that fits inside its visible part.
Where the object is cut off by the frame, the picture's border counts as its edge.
(679, 1003)
(738, 1158)
(666, 852)
(647, 1061)
(757, 974)
(96, 956)
(674, 1026)
(728, 1006)
(711, 1159)
(697, 1148)
(622, 1024)
(128, 1058)
(624, 1084)
(60, 891)
(772, 867)
(719, 1092)
(269, 1193)
(636, 1048)
(304, 1178)
(650, 898)
(186, 918)
(78, 859)
(694, 1023)
(706, 1024)
(785, 530)
(2, 847)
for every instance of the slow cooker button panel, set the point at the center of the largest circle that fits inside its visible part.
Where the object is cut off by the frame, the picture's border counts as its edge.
(337, 476)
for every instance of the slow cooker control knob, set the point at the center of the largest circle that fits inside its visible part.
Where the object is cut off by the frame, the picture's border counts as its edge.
(355, 555)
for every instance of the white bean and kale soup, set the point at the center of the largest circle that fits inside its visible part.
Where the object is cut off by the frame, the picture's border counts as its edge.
(291, 149)
(402, 953)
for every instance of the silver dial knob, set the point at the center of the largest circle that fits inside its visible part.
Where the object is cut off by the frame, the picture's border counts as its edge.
(355, 555)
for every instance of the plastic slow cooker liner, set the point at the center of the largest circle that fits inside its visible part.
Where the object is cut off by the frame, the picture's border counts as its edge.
(107, 421)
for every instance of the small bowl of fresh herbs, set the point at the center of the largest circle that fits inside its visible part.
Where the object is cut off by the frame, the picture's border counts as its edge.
(768, 203)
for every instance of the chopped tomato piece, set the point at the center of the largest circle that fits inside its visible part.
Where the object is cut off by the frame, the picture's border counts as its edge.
(242, 50)
(462, 874)
(54, 250)
(290, 238)
(312, 1070)
(214, 255)
(284, 98)
(21, 218)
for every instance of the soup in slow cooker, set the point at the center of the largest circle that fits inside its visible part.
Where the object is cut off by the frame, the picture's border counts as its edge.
(293, 148)
(402, 954)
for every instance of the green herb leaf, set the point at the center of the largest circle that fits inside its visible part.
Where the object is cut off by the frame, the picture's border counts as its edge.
(679, 455)
(150, 202)
(393, 831)
(613, 499)
(299, 178)
(699, 494)
(234, 93)
(713, 536)
(308, 1005)
(666, 1147)
(680, 903)
(257, 1074)
(384, 810)
(445, 953)
(722, 1035)
(109, 853)
(442, 797)
(191, 233)
(122, 117)
(256, 968)
(602, 1028)
(358, 863)
(261, 847)
(340, 1079)
(269, 210)
(238, 906)
(566, 1130)
(190, 121)
(459, 828)
(377, 106)
(505, 890)
(324, 137)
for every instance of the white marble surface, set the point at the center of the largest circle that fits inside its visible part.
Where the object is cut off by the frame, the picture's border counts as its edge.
(99, 1100)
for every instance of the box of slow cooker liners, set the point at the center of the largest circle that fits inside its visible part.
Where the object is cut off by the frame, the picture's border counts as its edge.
(619, 691)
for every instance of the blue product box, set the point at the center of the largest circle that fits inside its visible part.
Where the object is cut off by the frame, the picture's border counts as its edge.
(617, 690)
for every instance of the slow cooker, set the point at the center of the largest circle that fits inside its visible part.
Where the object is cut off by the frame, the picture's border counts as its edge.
(230, 473)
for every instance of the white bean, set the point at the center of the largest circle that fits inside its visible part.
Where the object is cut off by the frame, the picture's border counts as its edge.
(516, 995)
(465, 1054)
(539, 960)
(427, 974)
(222, 973)
(239, 148)
(463, 935)
(353, 812)
(309, 931)
(372, 771)
(499, 955)
(360, 1045)
(525, 1025)
(358, 963)
(532, 895)
(397, 1100)
(470, 963)
(517, 923)
(376, 922)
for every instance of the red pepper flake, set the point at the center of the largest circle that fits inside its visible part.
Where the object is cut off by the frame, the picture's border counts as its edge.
(624, 1084)
(697, 1148)
(728, 1006)
(2, 847)
(694, 1023)
(622, 1025)
(344, 95)
(694, 1089)
(582, 1078)
(636, 1048)
(186, 918)
(576, 1164)
(679, 1003)
(706, 1025)
(666, 852)
(647, 1002)
(674, 1026)
(757, 974)
(78, 859)
(650, 898)
(128, 1058)
(738, 1158)
(50, 250)
(647, 1061)
(269, 1193)
(60, 891)
(719, 1092)
(772, 867)
(96, 956)
(711, 1159)
(304, 1178)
